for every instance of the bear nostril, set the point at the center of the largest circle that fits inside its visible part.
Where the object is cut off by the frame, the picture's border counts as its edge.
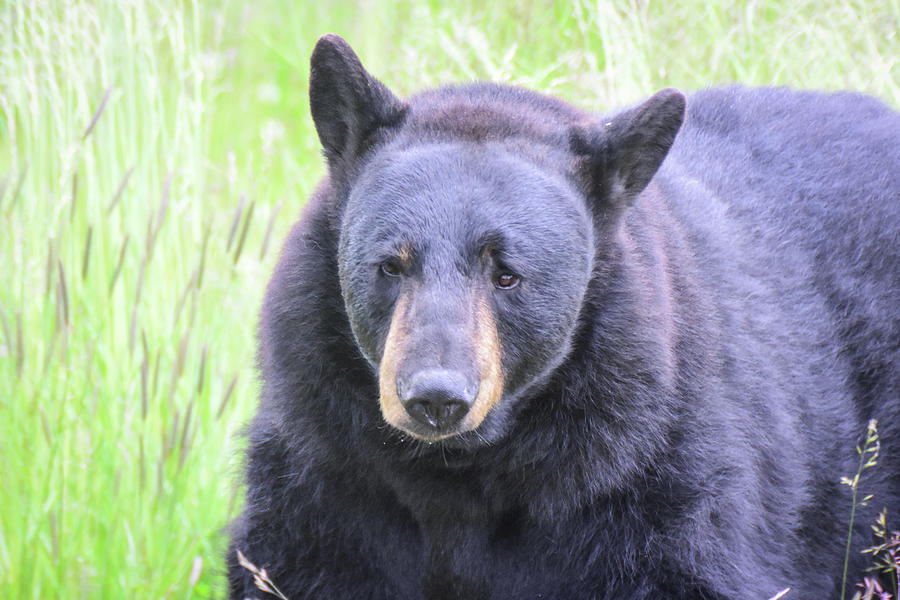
(437, 415)
(437, 398)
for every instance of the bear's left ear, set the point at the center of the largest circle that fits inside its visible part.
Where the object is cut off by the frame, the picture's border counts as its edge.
(347, 103)
(617, 159)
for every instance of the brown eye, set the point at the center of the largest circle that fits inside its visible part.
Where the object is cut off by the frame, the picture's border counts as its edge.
(506, 281)
(390, 269)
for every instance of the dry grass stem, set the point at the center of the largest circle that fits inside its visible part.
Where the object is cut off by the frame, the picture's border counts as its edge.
(97, 114)
(260, 577)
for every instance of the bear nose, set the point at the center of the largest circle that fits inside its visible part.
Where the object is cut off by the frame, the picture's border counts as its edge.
(436, 398)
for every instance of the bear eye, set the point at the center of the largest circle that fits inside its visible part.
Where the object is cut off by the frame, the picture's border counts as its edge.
(390, 268)
(506, 281)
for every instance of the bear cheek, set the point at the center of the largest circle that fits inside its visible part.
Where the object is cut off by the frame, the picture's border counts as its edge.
(538, 334)
(489, 360)
(391, 407)
(368, 318)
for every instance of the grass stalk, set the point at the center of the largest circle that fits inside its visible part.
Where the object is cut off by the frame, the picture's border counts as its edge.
(868, 457)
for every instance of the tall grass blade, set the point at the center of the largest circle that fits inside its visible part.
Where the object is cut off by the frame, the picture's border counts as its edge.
(228, 393)
(145, 400)
(269, 227)
(97, 114)
(185, 440)
(243, 237)
(206, 232)
(235, 221)
(74, 197)
(201, 375)
(48, 271)
(63, 293)
(119, 262)
(119, 190)
(86, 257)
(178, 365)
(191, 286)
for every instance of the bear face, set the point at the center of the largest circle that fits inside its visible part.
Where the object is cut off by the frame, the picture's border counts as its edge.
(459, 294)
(447, 276)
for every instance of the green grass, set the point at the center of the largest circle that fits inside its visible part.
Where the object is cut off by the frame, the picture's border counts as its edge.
(152, 155)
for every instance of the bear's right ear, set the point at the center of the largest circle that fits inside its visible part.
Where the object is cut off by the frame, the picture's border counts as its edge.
(617, 159)
(347, 103)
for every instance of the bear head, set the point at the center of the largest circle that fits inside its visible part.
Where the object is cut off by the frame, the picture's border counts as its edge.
(470, 220)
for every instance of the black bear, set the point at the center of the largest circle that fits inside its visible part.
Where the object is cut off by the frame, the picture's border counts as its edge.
(513, 350)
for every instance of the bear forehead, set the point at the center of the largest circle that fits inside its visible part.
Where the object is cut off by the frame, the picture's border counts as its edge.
(485, 112)
(450, 185)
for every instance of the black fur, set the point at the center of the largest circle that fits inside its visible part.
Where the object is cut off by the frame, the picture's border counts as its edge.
(694, 350)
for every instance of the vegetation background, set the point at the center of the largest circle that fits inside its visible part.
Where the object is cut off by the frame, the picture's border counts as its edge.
(153, 155)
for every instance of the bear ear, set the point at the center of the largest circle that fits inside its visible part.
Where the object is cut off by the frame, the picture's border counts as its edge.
(347, 103)
(617, 159)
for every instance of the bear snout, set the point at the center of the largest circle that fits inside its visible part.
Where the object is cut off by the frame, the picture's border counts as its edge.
(436, 398)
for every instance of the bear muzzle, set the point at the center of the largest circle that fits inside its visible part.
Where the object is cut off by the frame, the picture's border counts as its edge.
(439, 377)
